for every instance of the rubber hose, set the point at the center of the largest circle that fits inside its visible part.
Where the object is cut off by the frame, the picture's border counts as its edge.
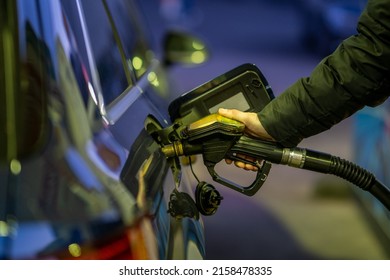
(361, 178)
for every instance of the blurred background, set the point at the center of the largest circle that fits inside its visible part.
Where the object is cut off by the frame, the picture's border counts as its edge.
(297, 214)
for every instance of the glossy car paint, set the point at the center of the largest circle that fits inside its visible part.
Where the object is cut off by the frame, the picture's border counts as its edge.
(79, 176)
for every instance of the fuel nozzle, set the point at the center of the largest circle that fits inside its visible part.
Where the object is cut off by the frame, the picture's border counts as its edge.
(213, 127)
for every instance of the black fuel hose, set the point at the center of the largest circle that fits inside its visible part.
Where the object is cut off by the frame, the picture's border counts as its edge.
(314, 161)
(361, 178)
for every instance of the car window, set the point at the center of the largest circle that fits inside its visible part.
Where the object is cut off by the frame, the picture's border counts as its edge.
(111, 64)
(131, 34)
(120, 51)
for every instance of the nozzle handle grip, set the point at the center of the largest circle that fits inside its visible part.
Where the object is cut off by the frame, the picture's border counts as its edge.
(258, 149)
(261, 177)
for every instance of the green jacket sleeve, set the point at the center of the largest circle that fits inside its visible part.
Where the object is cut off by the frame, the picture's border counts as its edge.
(355, 75)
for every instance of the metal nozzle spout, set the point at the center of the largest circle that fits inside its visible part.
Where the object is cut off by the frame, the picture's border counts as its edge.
(172, 150)
(178, 148)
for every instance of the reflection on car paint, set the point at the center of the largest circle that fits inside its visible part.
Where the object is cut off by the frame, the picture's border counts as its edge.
(372, 151)
(62, 187)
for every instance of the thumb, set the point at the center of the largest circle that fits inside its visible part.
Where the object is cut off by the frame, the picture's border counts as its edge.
(252, 123)
(232, 114)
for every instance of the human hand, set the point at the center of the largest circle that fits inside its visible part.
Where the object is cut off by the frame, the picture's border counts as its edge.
(253, 127)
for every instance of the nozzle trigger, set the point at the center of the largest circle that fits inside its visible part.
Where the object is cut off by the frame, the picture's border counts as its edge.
(261, 177)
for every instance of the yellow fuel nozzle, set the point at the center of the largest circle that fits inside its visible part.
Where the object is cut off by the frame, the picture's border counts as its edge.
(200, 131)
(216, 119)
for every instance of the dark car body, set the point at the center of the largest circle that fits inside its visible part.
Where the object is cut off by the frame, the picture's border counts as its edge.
(371, 142)
(80, 178)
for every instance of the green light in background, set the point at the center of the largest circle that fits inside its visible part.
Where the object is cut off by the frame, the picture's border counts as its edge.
(197, 46)
(15, 167)
(4, 230)
(137, 63)
(198, 57)
(74, 250)
(152, 78)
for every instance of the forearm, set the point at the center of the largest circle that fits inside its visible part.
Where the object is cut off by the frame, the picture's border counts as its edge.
(355, 75)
